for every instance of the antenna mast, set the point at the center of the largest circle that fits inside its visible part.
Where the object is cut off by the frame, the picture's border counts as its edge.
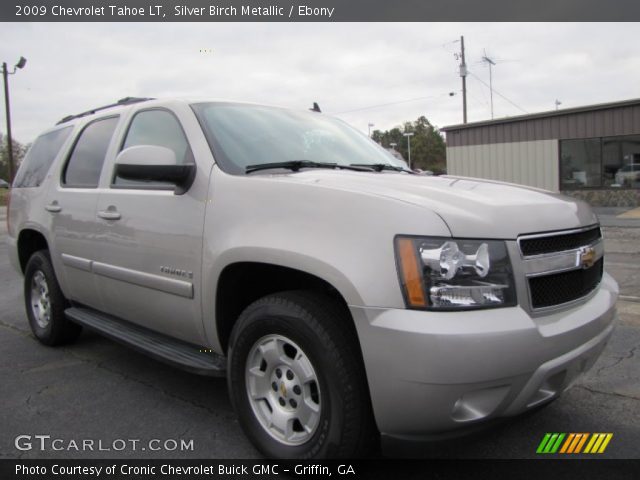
(491, 63)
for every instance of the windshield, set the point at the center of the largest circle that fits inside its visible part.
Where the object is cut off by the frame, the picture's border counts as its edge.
(243, 135)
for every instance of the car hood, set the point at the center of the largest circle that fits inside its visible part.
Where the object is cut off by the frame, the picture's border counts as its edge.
(470, 207)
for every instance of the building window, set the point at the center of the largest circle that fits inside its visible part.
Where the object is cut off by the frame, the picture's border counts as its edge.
(609, 162)
(580, 163)
(621, 161)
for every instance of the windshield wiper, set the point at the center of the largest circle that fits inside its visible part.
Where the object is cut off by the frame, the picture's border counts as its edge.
(378, 167)
(296, 165)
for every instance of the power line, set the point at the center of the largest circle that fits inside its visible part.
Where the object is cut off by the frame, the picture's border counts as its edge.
(370, 107)
(477, 102)
(484, 96)
(430, 50)
(498, 93)
(480, 101)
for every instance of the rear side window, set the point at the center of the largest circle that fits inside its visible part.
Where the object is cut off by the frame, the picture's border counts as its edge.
(159, 128)
(36, 164)
(85, 163)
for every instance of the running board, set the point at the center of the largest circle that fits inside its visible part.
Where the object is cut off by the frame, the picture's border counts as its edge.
(180, 354)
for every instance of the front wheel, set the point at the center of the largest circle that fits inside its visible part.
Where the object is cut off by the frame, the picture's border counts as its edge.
(297, 381)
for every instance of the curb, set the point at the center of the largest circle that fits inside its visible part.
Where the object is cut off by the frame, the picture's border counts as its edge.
(629, 298)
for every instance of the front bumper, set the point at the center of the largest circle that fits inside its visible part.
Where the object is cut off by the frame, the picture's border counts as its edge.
(434, 372)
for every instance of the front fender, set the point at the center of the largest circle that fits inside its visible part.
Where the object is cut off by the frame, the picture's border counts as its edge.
(340, 236)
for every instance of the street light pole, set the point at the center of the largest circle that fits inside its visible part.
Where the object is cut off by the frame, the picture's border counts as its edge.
(408, 135)
(5, 76)
(370, 125)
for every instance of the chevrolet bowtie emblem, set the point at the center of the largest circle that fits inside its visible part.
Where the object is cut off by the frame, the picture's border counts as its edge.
(587, 257)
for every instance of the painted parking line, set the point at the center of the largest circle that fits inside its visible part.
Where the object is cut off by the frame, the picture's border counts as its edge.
(635, 213)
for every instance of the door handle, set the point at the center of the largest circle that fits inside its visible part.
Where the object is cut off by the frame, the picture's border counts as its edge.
(109, 214)
(53, 207)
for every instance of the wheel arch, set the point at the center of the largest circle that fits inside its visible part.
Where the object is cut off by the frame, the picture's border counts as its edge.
(242, 283)
(29, 242)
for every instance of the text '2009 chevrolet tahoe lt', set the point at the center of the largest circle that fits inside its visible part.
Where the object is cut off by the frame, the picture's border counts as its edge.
(343, 296)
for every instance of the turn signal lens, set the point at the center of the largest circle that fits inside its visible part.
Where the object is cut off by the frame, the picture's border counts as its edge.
(410, 274)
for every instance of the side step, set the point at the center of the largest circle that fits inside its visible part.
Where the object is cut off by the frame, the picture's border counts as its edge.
(168, 350)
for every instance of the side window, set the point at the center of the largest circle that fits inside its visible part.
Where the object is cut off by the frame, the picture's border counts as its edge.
(158, 128)
(85, 164)
(36, 164)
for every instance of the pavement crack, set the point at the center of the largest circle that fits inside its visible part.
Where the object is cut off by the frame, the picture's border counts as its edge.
(184, 434)
(630, 354)
(30, 398)
(613, 394)
(13, 328)
(101, 365)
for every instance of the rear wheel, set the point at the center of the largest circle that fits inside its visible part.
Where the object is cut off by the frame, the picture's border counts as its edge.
(297, 381)
(45, 303)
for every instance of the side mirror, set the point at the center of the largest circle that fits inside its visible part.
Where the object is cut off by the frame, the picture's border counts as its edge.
(152, 163)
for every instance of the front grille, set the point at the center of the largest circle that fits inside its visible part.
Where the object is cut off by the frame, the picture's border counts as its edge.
(559, 243)
(558, 288)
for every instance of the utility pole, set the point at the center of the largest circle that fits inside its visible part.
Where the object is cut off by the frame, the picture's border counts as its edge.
(463, 74)
(5, 75)
(491, 64)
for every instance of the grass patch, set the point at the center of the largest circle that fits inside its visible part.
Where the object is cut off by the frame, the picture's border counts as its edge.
(4, 193)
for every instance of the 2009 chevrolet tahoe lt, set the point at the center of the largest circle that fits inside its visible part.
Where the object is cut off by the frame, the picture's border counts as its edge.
(343, 296)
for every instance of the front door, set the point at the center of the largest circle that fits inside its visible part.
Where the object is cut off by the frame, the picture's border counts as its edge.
(150, 248)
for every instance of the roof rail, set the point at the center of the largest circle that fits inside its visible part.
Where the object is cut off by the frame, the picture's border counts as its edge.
(122, 101)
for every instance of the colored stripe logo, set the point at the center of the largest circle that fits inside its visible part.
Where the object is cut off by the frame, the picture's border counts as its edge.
(574, 443)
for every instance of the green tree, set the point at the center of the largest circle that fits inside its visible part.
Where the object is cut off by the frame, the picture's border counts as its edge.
(428, 150)
(19, 151)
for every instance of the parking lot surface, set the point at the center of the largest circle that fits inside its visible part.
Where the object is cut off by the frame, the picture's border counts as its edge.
(101, 394)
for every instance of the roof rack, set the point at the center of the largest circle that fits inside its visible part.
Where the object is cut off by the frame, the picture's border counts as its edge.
(119, 103)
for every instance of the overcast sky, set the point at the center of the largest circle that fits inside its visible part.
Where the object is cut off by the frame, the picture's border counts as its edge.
(345, 67)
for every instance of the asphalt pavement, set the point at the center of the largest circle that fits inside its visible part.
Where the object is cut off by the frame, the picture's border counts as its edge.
(98, 391)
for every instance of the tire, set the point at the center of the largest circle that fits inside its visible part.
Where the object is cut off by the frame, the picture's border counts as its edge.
(45, 303)
(294, 360)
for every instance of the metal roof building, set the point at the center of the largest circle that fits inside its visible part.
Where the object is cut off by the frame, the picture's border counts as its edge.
(592, 152)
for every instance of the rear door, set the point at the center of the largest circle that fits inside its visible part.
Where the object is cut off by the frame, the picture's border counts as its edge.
(71, 202)
(150, 246)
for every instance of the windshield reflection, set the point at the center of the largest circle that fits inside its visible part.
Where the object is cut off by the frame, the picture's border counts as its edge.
(242, 135)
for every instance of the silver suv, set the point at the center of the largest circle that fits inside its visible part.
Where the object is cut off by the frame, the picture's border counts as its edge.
(343, 296)
(628, 175)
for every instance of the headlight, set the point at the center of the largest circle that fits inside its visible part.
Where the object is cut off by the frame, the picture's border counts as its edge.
(452, 274)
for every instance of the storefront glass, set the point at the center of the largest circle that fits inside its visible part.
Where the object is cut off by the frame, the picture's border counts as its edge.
(609, 162)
